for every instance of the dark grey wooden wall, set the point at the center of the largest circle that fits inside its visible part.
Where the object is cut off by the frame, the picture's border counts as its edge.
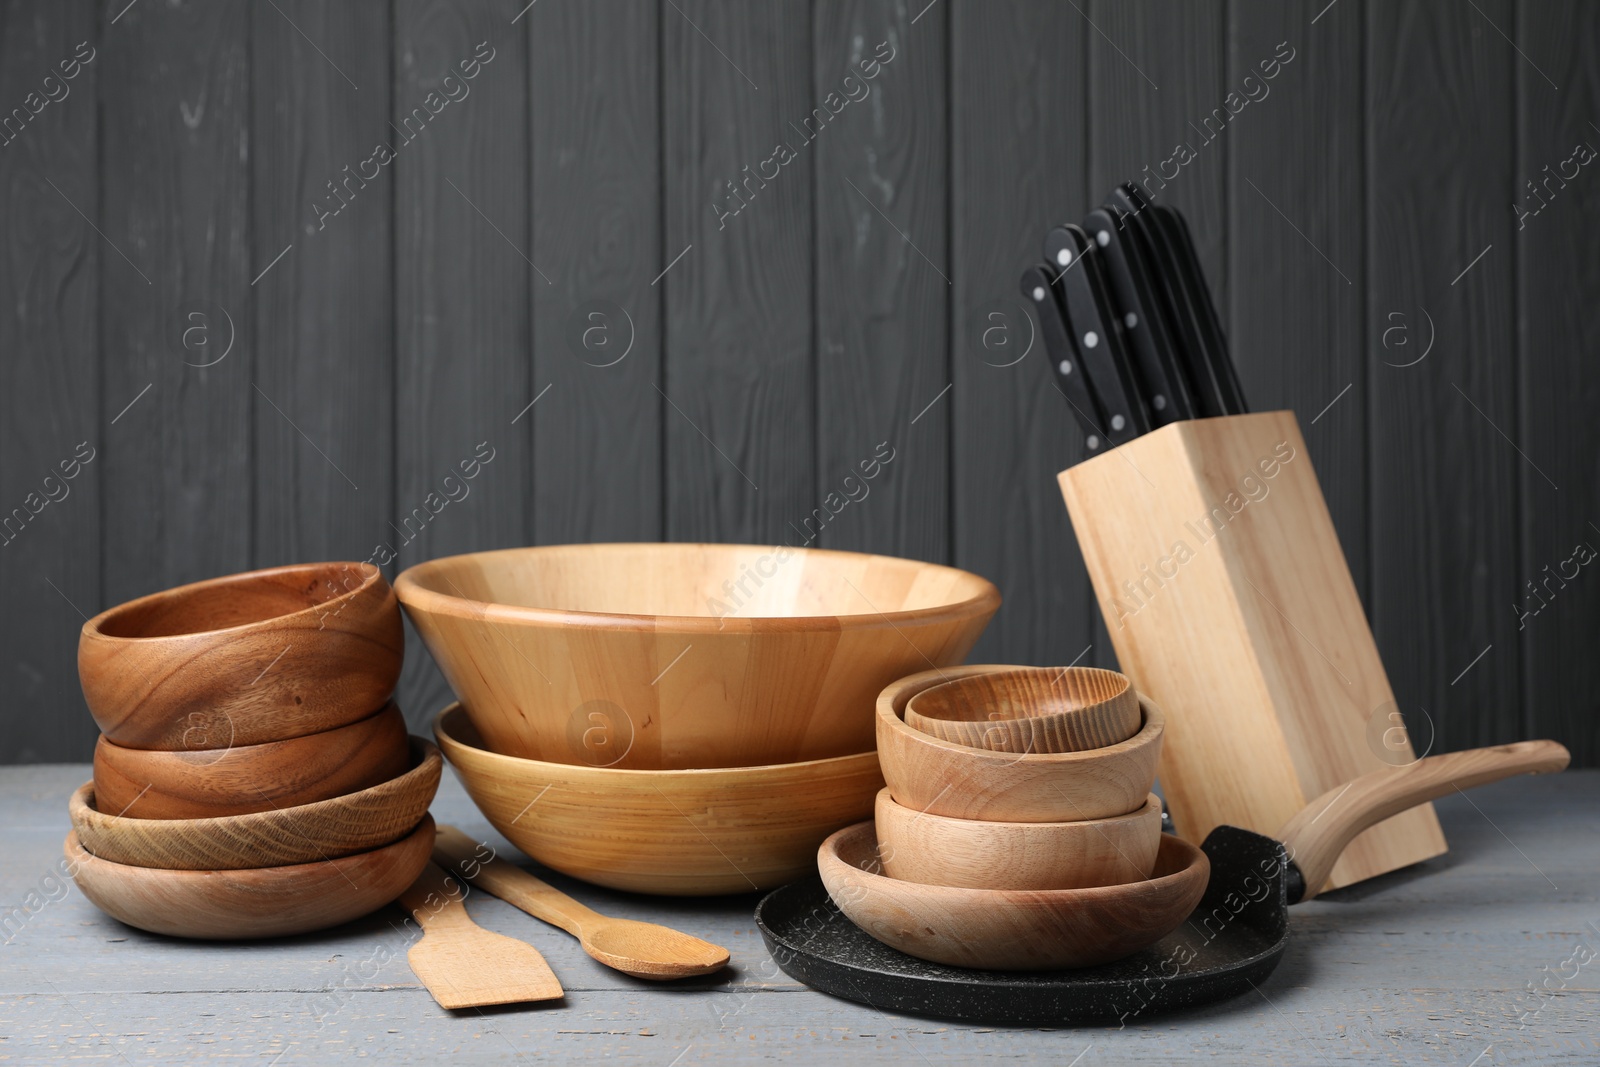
(162, 207)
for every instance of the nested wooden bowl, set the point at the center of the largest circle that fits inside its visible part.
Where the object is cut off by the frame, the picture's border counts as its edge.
(1032, 709)
(676, 656)
(322, 830)
(678, 833)
(974, 854)
(1011, 929)
(260, 902)
(208, 783)
(941, 777)
(244, 659)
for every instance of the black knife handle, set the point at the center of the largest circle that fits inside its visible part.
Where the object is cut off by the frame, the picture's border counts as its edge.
(1097, 334)
(1038, 291)
(1223, 373)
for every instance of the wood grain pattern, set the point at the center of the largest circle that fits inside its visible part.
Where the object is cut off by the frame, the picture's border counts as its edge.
(265, 902)
(1040, 709)
(49, 378)
(1444, 476)
(208, 783)
(653, 656)
(1558, 321)
(325, 829)
(462, 964)
(1011, 929)
(940, 777)
(1231, 606)
(916, 846)
(675, 833)
(643, 950)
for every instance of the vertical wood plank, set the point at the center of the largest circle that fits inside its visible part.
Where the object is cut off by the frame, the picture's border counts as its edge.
(597, 236)
(462, 276)
(1296, 252)
(883, 279)
(1555, 239)
(324, 315)
(739, 375)
(1019, 136)
(49, 374)
(1444, 470)
(175, 189)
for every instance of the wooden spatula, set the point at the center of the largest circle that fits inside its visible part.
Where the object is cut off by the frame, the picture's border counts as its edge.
(462, 964)
(643, 950)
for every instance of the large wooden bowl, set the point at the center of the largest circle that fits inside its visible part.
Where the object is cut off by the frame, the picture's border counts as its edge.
(973, 854)
(267, 902)
(655, 656)
(1034, 709)
(206, 783)
(678, 833)
(244, 659)
(322, 830)
(929, 774)
(1011, 929)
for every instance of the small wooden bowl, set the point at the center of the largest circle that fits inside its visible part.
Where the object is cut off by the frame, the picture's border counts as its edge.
(1011, 929)
(943, 778)
(264, 902)
(207, 783)
(974, 854)
(244, 659)
(1035, 709)
(325, 829)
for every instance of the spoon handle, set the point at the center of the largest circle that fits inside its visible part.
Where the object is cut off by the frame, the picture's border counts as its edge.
(466, 858)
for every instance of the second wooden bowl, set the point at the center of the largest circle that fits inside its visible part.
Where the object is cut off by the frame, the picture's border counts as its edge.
(944, 778)
(974, 854)
(1034, 709)
(322, 830)
(207, 783)
(262, 902)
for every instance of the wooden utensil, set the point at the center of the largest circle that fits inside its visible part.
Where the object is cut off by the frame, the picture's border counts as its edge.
(1011, 929)
(462, 964)
(1035, 709)
(680, 833)
(944, 778)
(676, 656)
(916, 846)
(641, 949)
(322, 830)
(262, 902)
(207, 783)
(245, 659)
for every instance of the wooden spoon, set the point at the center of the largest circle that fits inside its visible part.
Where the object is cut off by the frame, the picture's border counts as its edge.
(462, 964)
(641, 949)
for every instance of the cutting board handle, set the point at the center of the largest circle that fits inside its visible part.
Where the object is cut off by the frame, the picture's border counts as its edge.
(1322, 829)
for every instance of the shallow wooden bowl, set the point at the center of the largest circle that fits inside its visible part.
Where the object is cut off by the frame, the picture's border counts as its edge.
(653, 656)
(263, 902)
(244, 659)
(941, 777)
(678, 833)
(323, 830)
(206, 783)
(973, 854)
(1034, 709)
(1011, 929)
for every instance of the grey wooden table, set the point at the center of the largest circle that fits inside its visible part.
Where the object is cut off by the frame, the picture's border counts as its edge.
(1438, 964)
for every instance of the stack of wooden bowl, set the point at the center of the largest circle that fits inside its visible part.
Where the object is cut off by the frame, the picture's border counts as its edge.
(253, 777)
(679, 718)
(1017, 829)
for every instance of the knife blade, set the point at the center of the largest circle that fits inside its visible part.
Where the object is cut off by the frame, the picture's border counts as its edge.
(1064, 366)
(1223, 376)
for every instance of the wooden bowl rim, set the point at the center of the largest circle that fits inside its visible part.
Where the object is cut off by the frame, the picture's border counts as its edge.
(954, 685)
(706, 775)
(417, 597)
(891, 710)
(991, 825)
(1194, 858)
(250, 752)
(426, 759)
(94, 628)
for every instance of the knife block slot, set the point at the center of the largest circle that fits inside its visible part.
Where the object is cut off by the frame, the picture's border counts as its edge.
(1229, 602)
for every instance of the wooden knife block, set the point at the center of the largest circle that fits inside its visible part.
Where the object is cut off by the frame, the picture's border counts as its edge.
(1231, 606)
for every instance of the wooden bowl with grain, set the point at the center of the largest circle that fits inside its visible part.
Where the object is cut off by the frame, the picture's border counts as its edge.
(1033, 709)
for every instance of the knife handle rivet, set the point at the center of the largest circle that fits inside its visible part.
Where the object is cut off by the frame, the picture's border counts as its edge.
(1118, 422)
(1064, 256)
(1091, 339)
(1093, 442)
(1130, 320)
(1158, 402)
(1038, 294)
(1103, 238)
(1065, 367)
